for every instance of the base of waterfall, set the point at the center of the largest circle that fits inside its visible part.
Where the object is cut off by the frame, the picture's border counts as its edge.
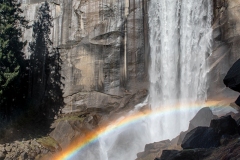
(209, 137)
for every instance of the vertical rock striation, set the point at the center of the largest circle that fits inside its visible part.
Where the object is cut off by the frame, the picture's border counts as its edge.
(103, 45)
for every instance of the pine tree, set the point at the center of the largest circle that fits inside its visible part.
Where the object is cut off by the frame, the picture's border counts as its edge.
(40, 48)
(45, 77)
(11, 56)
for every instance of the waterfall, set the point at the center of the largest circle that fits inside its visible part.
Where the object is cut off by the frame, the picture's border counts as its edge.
(180, 38)
(179, 41)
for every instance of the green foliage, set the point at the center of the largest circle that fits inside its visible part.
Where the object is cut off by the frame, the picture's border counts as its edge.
(11, 56)
(48, 143)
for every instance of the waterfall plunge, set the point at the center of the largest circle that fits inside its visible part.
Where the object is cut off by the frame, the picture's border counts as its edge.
(180, 35)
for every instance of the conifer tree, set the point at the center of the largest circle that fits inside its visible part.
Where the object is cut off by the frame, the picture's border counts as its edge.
(11, 56)
(40, 49)
(45, 63)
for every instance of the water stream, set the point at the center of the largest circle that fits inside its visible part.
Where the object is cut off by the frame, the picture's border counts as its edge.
(180, 40)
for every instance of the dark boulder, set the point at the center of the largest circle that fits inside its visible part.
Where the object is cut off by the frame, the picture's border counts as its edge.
(225, 125)
(238, 125)
(201, 137)
(232, 79)
(237, 102)
(168, 154)
(193, 154)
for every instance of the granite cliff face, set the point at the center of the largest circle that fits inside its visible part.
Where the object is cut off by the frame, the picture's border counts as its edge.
(225, 51)
(103, 48)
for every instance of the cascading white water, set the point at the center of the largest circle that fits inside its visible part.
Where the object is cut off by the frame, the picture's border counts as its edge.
(179, 41)
(180, 35)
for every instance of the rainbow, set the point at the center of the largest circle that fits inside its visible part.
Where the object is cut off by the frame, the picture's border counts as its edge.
(129, 119)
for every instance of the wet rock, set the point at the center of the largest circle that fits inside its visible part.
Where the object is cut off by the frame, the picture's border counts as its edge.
(201, 137)
(224, 125)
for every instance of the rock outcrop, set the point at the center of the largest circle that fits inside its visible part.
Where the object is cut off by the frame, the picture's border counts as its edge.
(103, 45)
(202, 118)
(201, 137)
(225, 125)
(232, 79)
(65, 132)
(70, 126)
(193, 154)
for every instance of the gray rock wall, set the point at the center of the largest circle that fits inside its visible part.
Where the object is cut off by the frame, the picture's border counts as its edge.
(102, 45)
(226, 50)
